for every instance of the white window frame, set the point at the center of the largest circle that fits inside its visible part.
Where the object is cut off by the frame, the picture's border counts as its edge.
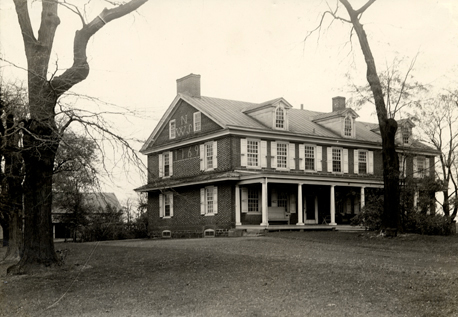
(209, 201)
(162, 160)
(165, 199)
(405, 135)
(352, 127)
(274, 146)
(261, 155)
(204, 157)
(172, 129)
(280, 118)
(343, 160)
(421, 172)
(369, 162)
(318, 156)
(197, 121)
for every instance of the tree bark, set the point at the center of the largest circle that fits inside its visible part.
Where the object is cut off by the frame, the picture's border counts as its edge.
(388, 127)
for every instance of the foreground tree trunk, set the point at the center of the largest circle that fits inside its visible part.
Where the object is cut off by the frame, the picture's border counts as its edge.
(41, 136)
(388, 127)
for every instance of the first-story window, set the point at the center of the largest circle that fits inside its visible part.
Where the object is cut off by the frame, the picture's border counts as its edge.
(209, 201)
(166, 205)
(402, 165)
(253, 200)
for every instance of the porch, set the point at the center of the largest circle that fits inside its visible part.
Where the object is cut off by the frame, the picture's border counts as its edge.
(286, 227)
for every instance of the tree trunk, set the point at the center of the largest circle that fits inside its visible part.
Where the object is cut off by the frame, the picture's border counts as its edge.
(6, 235)
(388, 127)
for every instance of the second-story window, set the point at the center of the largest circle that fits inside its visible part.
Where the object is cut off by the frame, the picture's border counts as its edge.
(280, 118)
(309, 158)
(336, 160)
(208, 156)
(252, 153)
(362, 162)
(421, 168)
(282, 155)
(172, 129)
(166, 164)
(348, 129)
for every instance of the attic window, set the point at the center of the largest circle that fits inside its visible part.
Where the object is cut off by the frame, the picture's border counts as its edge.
(348, 127)
(405, 135)
(280, 118)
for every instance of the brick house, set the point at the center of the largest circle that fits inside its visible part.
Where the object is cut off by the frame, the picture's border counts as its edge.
(225, 164)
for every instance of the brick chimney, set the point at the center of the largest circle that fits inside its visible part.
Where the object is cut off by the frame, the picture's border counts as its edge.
(189, 85)
(338, 103)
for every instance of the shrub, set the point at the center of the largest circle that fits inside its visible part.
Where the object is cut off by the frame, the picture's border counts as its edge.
(428, 224)
(370, 216)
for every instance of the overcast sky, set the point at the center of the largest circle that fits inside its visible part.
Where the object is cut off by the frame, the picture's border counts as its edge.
(244, 50)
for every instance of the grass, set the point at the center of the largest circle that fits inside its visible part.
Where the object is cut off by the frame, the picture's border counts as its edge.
(281, 274)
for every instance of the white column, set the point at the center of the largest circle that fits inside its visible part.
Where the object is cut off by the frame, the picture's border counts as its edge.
(265, 220)
(237, 206)
(53, 231)
(363, 198)
(300, 207)
(316, 209)
(333, 206)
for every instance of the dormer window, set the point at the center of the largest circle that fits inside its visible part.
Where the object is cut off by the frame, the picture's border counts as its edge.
(405, 135)
(280, 118)
(348, 126)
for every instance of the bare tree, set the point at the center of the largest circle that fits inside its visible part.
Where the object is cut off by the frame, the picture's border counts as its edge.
(388, 126)
(40, 132)
(439, 124)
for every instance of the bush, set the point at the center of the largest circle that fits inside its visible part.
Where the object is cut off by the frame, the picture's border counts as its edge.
(428, 224)
(370, 216)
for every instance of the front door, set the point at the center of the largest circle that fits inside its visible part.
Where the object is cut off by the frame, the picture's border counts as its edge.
(310, 210)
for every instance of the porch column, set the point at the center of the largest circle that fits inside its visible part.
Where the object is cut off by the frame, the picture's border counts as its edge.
(237, 206)
(363, 198)
(333, 206)
(265, 220)
(300, 207)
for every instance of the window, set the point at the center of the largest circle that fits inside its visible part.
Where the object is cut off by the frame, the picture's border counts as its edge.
(362, 162)
(282, 155)
(337, 160)
(208, 157)
(405, 135)
(197, 121)
(166, 205)
(166, 164)
(172, 129)
(252, 153)
(421, 167)
(309, 157)
(282, 200)
(253, 200)
(348, 131)
(280, 118)
(402, 166)
(209, 201)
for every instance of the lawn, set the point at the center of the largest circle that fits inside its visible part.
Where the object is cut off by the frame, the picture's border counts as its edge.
(281, 274)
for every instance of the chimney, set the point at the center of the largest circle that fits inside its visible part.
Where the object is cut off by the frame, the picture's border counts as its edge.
(302, 106)
(189, 85)
(338, 103)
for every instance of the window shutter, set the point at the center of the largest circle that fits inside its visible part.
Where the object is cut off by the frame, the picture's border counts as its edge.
(274, 198)
(243, 152)
(292, 156)
(263, 154)
(215, 154)
(329, 159)
(319, 159)
(215, 199)
(171, 204)
(202, 157)
(202, 201)
(244, 195)
(171, 163)
(355, 162)
(161, 166)
(345, 160)
(273, 154)
(161, 205)
(415, 167)
(302, 157)
(371, 162)
(292, 204)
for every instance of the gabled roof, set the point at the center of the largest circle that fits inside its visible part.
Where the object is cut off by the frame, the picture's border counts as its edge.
(335, 114)
(97, 201)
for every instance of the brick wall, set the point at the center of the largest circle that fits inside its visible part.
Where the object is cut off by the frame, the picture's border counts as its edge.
(186, 210)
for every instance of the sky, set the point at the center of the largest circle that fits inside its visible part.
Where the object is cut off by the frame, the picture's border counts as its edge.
(244, 50)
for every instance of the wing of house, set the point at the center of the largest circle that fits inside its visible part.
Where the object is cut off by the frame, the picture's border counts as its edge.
(221, 164)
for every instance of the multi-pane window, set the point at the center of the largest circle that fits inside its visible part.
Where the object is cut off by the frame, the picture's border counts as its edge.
(405, 135)
(197, 121)
(252, 153)
(282, 200)
(282, 155)
(362, 162)
(337, 160)
(209, 200)
(309, 157)
(280, 118)
(209, 155)
(253, 200)
(421, 166)
(172, 129)
(167, 206)
(166, 159)
(347, 127)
